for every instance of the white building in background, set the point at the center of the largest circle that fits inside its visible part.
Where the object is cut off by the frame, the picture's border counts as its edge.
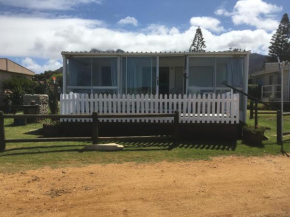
(270, 81)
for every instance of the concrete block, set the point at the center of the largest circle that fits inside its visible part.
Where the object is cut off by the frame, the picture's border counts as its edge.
(104, 147)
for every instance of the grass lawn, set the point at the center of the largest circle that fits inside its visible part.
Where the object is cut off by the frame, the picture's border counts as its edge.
(23, 156)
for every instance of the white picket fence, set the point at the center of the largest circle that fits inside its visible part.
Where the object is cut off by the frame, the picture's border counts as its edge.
(207, 108)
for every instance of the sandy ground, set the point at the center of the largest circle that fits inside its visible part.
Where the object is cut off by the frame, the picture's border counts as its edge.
(227, 186)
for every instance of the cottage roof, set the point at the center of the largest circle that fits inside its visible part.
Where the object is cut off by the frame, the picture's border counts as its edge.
(271, 67)
(10, 66)
(161, 53)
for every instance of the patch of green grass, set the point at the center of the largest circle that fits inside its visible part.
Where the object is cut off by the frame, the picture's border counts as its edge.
(24, 156)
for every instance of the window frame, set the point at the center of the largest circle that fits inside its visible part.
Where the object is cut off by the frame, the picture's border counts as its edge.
(91, 87)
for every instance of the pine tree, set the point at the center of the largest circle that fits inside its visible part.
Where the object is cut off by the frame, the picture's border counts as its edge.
(198, 42)
(280, 43)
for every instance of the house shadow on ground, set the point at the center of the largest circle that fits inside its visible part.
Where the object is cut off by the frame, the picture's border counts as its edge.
(37, 132)
(128, 147)
(195, 144)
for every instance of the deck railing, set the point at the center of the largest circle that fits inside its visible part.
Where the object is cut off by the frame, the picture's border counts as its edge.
(206, 108)
(272, 92)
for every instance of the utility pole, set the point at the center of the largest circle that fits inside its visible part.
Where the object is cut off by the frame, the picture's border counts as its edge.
(281, 67)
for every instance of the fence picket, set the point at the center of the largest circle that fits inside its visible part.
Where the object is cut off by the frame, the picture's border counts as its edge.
(86, 101)
(232, 107)
(213, 112)
(203, 108)
(198, 108)
(159, 107)
(237, 108)
(192, 112)
(164, 108)
(133, 107)
(208, 114)
(105, 106)
(223, 101)
(142, 105)
(228, 108)
(218, 108)
(66, 105)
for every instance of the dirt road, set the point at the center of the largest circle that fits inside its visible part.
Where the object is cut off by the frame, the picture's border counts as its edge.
(227, 186)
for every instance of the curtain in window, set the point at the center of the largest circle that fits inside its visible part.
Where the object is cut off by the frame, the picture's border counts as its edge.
(235, 72)
(73, 68)
(131, 76)
(141, 75)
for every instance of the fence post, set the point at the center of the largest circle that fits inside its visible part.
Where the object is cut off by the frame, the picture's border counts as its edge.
(2, 133)
(256, 113)
(95, 128)
(279, 129)
(176, 126)
(251, 109)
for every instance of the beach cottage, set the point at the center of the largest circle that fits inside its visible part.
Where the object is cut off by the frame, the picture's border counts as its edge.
(160, 82)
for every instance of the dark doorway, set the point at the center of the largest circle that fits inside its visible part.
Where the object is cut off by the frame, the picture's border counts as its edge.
(164, 80)
(106, 76)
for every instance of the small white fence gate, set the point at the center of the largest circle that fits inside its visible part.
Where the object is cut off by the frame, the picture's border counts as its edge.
(206, 108)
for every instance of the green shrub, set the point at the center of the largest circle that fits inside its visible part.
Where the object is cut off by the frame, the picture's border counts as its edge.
(15, 89)
(258, 130)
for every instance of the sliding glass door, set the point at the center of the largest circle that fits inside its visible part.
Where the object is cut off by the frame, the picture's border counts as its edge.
(139, 75)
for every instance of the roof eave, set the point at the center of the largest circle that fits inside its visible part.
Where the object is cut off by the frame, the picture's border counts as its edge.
(230, 53)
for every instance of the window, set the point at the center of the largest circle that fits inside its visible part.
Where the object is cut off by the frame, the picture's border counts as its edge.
(139, 75)
(104, 72)
(79, 72)
(229, 70)
(88, 75)
(207, 74)
(221, 71)
(201, 72)
(201, 76)
(106, 76)
(271, 79)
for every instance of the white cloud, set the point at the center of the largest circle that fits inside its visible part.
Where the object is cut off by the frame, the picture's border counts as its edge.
(47, 4)
(46, 38)
(208, 23)
(155, 29)
(128, 20)
(222, 11)
(32, 65)
(255, 13)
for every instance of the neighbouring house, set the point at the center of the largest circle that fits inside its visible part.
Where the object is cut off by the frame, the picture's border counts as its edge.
(10, 69)
(138, 82)
(269, 79)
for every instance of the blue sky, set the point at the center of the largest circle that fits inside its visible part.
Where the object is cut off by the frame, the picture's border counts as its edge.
(34, 32)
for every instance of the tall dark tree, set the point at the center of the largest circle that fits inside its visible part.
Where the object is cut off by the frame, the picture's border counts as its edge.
(280, 43)
(198, 43)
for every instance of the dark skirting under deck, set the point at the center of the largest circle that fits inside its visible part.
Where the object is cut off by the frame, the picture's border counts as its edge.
(187, 131)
